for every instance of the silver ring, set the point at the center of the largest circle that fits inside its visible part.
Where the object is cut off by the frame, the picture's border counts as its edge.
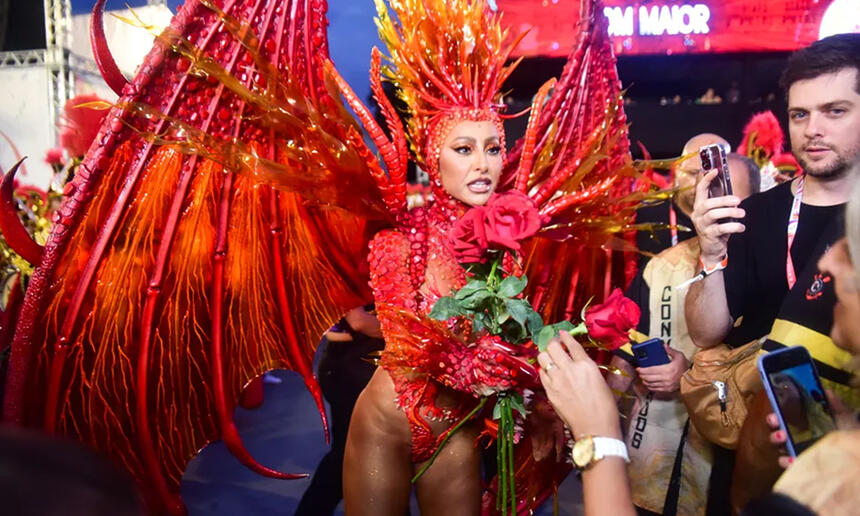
(548, 367)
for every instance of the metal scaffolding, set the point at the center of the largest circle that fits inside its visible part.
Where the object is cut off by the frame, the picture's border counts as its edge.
(58, 28)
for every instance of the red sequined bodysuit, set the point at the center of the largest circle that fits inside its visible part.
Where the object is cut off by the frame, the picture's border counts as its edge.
(414, 365)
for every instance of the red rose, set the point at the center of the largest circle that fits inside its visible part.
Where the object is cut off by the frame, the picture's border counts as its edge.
(510, 218)
(82, 125)
(468, 238)
(611, 321)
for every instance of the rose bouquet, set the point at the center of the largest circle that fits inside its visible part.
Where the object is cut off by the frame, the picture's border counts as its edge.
(502, 323)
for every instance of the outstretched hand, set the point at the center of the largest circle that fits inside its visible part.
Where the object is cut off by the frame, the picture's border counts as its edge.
(577, 390)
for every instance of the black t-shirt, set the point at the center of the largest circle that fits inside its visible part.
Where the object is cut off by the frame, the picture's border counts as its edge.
(660, 239)
(810, 305)
(755, 278)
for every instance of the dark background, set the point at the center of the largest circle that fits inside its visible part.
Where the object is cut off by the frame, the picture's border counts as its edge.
(664, 129)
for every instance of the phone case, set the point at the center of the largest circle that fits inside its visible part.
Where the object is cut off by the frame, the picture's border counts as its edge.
(763, 365)
(714, 157)
(650, 353)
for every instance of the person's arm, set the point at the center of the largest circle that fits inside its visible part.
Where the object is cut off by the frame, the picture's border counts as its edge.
(582, 399)
(606, 488)
(363, 322)
(707, 308)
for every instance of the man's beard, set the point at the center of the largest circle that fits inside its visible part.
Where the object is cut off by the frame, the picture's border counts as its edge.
(835, 170)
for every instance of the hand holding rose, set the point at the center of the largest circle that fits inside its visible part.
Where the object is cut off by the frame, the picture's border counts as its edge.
(577, 390)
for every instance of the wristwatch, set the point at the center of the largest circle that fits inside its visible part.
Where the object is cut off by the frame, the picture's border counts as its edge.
(589, 449)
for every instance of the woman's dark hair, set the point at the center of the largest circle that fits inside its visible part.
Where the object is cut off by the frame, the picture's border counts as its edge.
(828, 55)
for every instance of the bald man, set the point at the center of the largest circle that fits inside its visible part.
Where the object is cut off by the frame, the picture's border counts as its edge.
(678, 211)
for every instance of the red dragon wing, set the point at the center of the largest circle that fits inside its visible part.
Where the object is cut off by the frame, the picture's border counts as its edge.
(574, 162)
(174, 274)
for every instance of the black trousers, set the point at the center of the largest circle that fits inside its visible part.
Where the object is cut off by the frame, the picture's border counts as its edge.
(720, 484)
(343, 373)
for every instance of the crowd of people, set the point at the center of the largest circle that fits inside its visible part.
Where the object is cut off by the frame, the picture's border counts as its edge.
(779, 265)
(742, 274)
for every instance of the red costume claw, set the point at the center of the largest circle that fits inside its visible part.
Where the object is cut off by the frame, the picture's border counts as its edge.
(104, 59)
(10, 224)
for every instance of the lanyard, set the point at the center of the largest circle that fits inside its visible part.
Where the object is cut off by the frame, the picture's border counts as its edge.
(793, 218)
(673, 223)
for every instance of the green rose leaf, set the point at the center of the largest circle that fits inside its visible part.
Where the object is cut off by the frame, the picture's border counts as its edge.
(497, 410)
(445, 308)
(476, 299)
(470, 288)
(550, 331)
(511, 286)
(544, 336)
(514, 332)
(563, 325)
(534, 321)
(519, 310)
(502, 316)
(518, 404)
(480, 322)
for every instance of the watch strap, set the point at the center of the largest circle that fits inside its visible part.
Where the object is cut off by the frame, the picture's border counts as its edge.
(609, 447)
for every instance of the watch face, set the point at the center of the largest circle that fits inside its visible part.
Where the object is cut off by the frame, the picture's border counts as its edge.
(583, 452)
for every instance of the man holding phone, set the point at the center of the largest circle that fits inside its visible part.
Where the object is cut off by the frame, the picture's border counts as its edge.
(751, 265)
(773, 239)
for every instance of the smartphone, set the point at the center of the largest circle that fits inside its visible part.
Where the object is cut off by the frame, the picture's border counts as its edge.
(650, 353)
(714, 157)
(798, 399)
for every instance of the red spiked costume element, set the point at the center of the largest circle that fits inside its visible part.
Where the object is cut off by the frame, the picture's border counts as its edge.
(762, 142)
(198, 245)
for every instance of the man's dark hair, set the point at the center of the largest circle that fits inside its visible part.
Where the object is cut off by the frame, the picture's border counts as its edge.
(828, 55)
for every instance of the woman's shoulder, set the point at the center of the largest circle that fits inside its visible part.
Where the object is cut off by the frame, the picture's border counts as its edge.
(826, 477)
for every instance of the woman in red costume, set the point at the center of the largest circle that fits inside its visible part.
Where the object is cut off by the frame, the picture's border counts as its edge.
(389, 442)
(193, 244)
(411, 402)
(423, 389)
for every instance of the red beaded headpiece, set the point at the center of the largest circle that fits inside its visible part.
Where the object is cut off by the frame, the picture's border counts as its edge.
(447, 60)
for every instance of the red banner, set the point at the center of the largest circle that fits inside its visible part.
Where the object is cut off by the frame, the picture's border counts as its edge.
(677, 26)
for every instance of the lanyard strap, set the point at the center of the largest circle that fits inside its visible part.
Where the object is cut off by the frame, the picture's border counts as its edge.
(673, 223)
(791, 231)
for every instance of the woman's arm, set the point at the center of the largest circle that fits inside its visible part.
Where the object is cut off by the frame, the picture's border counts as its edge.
(389, 271)
(606, 489)
(582, 399)
(363, 322)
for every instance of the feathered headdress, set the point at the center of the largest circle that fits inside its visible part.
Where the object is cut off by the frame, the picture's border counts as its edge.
(762, 142)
